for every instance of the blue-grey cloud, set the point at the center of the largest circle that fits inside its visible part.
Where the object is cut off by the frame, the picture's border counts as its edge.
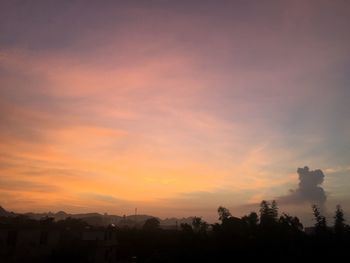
(309, 190)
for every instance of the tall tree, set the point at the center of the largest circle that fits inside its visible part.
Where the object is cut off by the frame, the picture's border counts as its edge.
(339, 220)
(268, 213)
(264, 211)
(274, 211)
(320, 224)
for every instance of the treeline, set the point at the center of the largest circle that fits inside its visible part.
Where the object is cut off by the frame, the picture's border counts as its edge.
(263, 235)
(266, 235)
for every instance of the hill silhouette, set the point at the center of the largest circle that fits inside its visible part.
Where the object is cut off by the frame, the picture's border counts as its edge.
(97, 219)
(6, 213)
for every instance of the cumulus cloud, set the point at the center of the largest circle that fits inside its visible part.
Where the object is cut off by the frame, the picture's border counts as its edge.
(309, 189)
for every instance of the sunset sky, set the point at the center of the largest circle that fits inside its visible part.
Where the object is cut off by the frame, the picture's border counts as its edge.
(173, 107)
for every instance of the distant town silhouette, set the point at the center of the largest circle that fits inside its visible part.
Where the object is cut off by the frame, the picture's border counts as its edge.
(92, 237)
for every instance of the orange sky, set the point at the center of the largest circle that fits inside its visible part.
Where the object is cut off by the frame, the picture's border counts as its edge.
(172, 109)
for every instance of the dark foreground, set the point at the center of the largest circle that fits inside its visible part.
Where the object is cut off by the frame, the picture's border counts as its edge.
(267, 237)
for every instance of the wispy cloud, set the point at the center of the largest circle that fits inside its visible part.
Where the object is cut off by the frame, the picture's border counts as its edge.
(26, 186)
(170, 101)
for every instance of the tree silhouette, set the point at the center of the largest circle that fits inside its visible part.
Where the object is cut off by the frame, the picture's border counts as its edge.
(339, 221)
(274, 211)
(196, 222)
(268, 213)
(199, 225)
(264, 211)
(224, 213)
(291, 222)
(151, 224)
(320, 224)
(251, 220)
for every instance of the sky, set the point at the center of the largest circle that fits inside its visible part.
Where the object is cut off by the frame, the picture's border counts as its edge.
(174, 107)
